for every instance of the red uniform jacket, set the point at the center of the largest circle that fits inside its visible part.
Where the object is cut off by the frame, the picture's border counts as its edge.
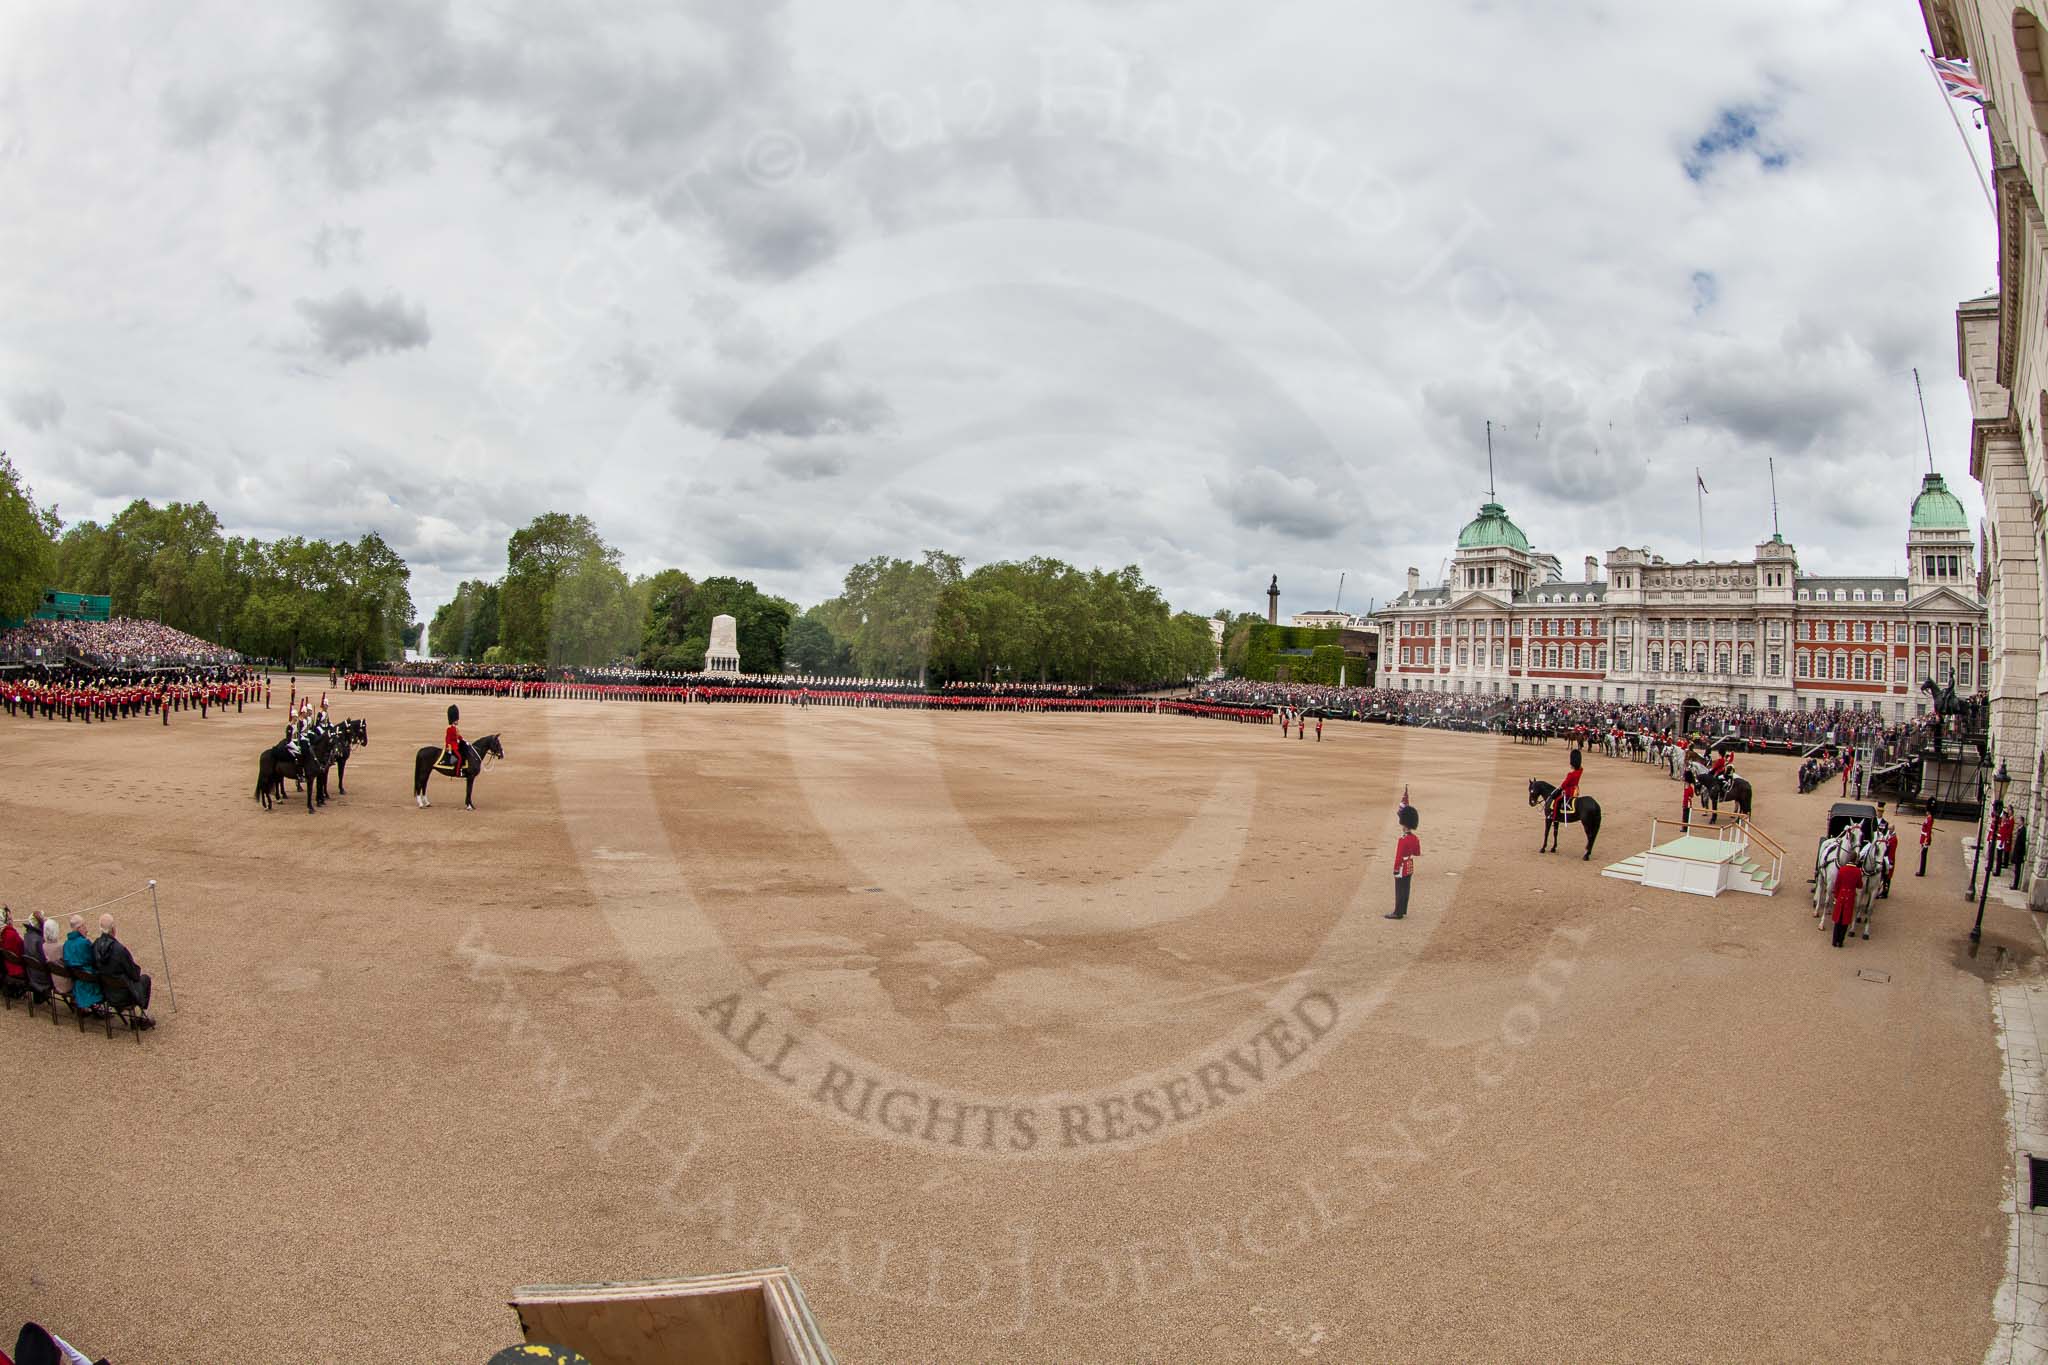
(1571, 784)
(452, 741)
(1848, 881)
(1405, 854)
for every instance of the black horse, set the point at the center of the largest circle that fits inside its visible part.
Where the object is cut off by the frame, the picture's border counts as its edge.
(279, 761)
(349, 735)
(1726, 787)
(427, 761)
(1947, 704)
(1586, 811)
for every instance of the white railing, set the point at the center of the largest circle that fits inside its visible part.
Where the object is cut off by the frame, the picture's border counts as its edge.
(1741, 833)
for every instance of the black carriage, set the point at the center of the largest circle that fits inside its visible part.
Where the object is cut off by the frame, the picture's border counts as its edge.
(1841, 815)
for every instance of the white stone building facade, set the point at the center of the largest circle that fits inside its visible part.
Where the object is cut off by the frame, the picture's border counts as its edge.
(2003, 361)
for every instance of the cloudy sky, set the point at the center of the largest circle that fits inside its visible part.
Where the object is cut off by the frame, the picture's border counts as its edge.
(767, 288)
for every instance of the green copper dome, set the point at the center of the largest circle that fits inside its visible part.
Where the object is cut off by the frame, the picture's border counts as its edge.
(1937, 509)
(1492, 527)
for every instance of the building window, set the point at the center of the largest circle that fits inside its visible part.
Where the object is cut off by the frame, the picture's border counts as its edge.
(1623, 629)
(1774, 630)
(1920, 633)
(1941, 634)
(1805, 664)
(1857, 596)
(1962, 635)
(1515, 656)
(1621, 660)
(1553, 656)
(1774, 665)
(1919, 668)
(1656, 660)
(1856, 667)
(1748, 668)
(1963, 672)
(1877, 668)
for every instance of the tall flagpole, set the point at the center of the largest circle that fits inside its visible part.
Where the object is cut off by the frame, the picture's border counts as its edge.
(1772, 465)
(1700, 496)
(1924, 433)
(1950, 105)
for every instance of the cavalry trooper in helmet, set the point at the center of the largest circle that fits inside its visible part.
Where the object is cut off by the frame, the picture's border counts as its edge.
(452, 741)
(1567, 798)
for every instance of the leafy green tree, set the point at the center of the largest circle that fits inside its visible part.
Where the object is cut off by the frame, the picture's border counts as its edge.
(537, 557)
(467, 624)
(28, 545)
(812, 647)
(593, 615)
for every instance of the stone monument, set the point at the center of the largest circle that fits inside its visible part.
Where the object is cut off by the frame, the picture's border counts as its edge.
(724, 654)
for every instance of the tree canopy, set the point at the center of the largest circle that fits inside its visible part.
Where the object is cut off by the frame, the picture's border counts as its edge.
(290, 598)
(28, 545)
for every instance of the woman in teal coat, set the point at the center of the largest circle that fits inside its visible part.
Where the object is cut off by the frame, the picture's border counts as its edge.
(78, 953)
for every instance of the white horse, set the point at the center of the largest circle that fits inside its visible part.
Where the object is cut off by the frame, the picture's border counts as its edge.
(1847, 847)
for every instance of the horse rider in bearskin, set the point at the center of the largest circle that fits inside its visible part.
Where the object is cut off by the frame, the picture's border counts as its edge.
(1567, 798)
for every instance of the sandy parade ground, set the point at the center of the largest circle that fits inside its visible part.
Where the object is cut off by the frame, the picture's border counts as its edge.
(1018, 1037)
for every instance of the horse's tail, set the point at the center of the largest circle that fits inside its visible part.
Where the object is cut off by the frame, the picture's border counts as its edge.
(262, 775)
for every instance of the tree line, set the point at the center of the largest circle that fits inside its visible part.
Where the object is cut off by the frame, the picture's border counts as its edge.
(564, 601)
(293, 598)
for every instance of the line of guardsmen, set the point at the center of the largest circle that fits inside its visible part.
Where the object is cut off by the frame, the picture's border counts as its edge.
(107, 698)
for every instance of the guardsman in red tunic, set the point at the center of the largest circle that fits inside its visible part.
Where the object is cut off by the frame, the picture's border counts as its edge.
(1567, 798)
(1406, 851)
(1848, 881)
(452, 740)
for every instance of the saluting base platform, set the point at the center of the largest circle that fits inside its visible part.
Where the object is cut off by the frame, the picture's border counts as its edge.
(750, 1318)
(1733, 857)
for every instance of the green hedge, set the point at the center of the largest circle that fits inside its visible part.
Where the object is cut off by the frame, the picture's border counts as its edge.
(1263, 656)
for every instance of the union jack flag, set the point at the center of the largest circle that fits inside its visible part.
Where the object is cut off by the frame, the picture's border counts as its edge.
(1958, 81)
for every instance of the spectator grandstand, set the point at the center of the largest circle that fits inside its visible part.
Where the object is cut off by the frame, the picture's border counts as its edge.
(120, 643)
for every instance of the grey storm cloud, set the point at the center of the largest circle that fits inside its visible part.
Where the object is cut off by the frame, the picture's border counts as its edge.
(1264, 499)
(815, 398)
(350, 326)
(36, 409)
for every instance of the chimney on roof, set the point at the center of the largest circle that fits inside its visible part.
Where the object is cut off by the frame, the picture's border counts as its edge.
(1414, 579)
(1592, 569)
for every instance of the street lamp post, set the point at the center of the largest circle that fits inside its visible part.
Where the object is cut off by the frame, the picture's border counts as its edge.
(1998, 784)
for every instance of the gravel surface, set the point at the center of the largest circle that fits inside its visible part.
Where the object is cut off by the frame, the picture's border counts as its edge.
(1220, 1108)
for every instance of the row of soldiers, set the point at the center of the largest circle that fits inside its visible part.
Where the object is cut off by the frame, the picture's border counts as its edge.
(107, 698)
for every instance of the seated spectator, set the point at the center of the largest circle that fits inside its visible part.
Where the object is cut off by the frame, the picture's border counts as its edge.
(125, 982)
(85, 995)
(32, 953)
(14, 977)
(53, 953)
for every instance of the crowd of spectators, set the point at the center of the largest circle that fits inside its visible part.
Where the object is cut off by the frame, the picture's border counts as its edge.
(1839, 727)
(122, 643)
